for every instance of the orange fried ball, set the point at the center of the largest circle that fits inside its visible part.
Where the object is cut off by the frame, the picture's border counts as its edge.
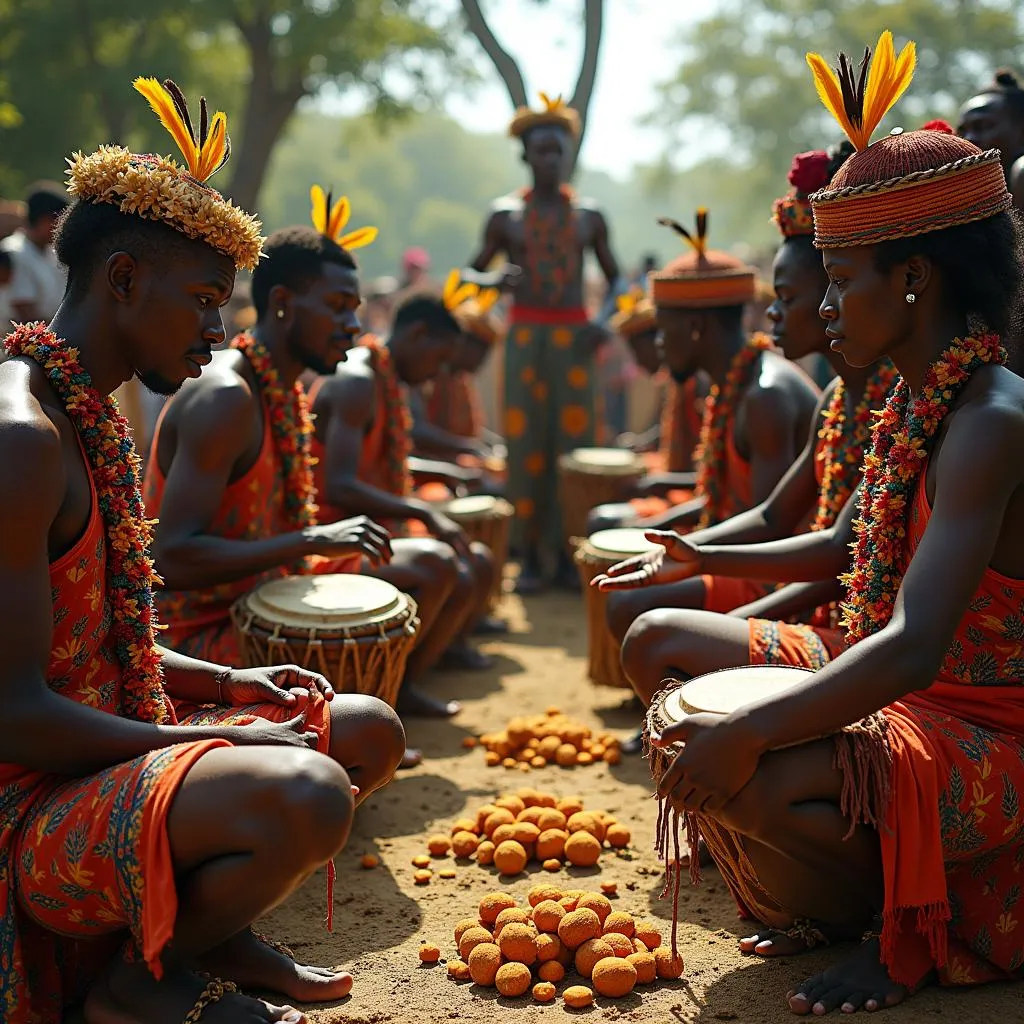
(584, 821)
(591, 952)
(511, 803)
(620, 922)
(500, 816)
(578, 996)
(543, 992)
(491, 759)
(539, 893)
(422, 876)
(551, 844)
(463, 926)
(470, 939)
(469, 742)
(518, 942)
(618, 836)
(439, 845)
(548, 915)
(464, 844)
(513, 979)
(464, 825)
(429, 954)
(621, 946)
(538, 762)
(531, 814)
(597, 903)
(524, 833)
(551, 970)
(648, 935)
(369, 861)
(609, 888)
(484, 962)
(646, 967)
(565, 755)
(552, 864)
(582, 849)
(493, 904)
(447, 873)
(612, 756)
(421, 860)
(510, 858)
(669, 967)
(550, 817)
(584, 757)
(614, 977)
(570, 805)
(458, 970)
(548, 946)
(577, 926)
(482, 815)
(503, 833)
(510, 762)
(485, 852)
(510, 915)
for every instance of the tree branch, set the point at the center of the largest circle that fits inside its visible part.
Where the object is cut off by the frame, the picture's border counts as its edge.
(504, 63)
(594, 26)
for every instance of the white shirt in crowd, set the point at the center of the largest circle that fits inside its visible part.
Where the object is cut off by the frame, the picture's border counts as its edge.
(38, 276)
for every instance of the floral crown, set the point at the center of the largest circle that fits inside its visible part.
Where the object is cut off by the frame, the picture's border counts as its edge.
(330, 219)
(808, 173)
(159, 189)
(556, 112)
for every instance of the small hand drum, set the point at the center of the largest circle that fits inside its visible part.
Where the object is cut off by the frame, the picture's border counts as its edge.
(588, 477)
(487, 520)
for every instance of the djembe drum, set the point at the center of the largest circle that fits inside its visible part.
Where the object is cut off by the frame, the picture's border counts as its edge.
(487, 520)
(588, 477)
(595, 555)
(355, 630)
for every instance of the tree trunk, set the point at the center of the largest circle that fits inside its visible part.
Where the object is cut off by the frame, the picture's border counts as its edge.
(593, 28)
(504, 63)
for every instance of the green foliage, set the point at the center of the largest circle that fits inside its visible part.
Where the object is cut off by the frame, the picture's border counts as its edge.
(743, 80)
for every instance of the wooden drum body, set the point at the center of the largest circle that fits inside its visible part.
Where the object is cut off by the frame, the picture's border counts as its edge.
(487, 520)
(588, 477)
(594, 556)
(355, 630)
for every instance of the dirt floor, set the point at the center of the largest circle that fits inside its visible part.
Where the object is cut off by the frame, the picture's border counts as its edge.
(381, 917)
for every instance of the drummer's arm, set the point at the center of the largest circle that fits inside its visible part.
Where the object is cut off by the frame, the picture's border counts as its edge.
(429, 437)
(676, 518)
(214, 433)
(428, 471)
(351, 399)
(792, 599)
(659, 484)
(190, 679)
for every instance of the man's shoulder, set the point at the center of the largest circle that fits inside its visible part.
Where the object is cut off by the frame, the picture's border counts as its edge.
(30, 438)
(513, 202)
(220, 393)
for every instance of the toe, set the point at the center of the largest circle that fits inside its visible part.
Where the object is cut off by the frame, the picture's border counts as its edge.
(830, 999)
(853, 1002)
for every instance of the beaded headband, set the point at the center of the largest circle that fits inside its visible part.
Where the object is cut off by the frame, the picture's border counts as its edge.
(910, 183)
(556, 113)
(157, 188)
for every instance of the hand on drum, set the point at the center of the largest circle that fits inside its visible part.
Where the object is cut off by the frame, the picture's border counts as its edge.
(717, 760)
(287, 685)
(449, 531)
(358, 536)
(676, 560)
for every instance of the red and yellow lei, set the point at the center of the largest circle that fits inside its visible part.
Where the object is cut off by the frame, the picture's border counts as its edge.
(718, 414)
(902, 441)
(397, 417)
(844, 442)
(116, 471)
(292, 429)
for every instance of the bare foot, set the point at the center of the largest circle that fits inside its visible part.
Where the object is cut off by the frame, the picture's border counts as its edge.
(860, 982)
(129, 994)
(769, 942)
(463, 658)
(415, 703)
(248, 962)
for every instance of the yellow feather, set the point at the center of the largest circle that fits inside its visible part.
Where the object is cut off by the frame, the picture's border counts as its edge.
(486, 300)
(451, 284)
(830, 94)
(889, 84)
(463, 294)
(212, 154)
(319, 215)
(546, 100)
(339, 217)
(357, 239)
(164, 108)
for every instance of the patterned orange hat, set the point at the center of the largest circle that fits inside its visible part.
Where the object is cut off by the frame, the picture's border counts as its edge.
(702, 278)
(909, 183)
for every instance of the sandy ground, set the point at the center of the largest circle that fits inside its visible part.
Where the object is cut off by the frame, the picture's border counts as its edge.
(381, 917)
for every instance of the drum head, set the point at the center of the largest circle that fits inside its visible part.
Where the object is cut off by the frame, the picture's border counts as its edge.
(335, 601)
(471, 505)
(725, 691)
(605, 458)
(621, 543)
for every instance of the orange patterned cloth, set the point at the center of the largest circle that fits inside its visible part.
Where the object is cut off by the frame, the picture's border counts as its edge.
(85, 864)
(454, 404)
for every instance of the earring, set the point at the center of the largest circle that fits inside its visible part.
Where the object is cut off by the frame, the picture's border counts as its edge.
(280, 314)
(911, 298)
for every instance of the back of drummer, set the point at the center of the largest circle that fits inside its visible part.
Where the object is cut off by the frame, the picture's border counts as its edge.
(230, 472)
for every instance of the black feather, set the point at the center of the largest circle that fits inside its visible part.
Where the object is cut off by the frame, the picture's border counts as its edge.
(180, 105)
(668, 222)
(204, 121)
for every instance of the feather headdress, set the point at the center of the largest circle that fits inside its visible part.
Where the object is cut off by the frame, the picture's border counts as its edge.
(635, 313)
(330, 218)
(157, 188)
(474, 308)
(456, 292)
(902, 185)
(698, 240)
(556, 112)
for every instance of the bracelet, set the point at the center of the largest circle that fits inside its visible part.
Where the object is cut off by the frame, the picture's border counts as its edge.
(219, 678)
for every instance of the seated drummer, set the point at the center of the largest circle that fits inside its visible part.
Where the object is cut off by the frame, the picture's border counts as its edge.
(902, 828)
(757, 417)
(363, 446)
(137, 847)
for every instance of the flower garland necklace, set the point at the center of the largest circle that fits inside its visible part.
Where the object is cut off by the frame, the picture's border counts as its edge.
(902, 441)
(844, 442)
(397, 417)
(551, 247)
(115, 468)
(712, 464)
(291, 427)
